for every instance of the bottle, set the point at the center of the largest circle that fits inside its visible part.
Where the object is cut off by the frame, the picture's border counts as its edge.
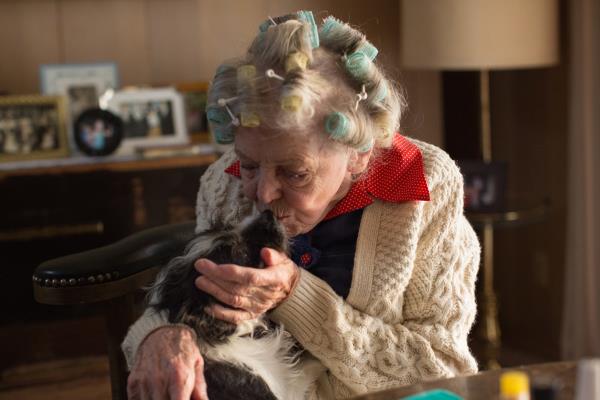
(514, 386)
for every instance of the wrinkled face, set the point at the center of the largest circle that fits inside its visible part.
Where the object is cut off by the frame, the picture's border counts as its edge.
(297, 176)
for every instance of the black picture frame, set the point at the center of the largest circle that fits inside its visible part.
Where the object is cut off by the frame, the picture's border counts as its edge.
(484, 185)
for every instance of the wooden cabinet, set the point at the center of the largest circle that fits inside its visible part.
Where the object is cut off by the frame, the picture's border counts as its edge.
(54, 211)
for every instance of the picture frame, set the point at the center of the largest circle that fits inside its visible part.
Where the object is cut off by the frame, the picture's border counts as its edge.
(484, 185)
(82, 84)
(151, 118)
(195, 99)
(32, 127)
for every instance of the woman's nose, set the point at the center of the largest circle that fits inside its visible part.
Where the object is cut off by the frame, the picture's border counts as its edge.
(268, 188)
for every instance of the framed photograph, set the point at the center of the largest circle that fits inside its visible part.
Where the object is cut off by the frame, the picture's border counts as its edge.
(485, 185)
(151, 118)
(81, 84)
(32, 127)
(98, 132)
(194, 100)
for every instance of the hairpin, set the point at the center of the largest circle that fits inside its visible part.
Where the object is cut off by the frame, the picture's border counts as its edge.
(291, 102)
(271, 74)
(360, 97)
(296, 61)
(337, 125)
(358, 65)
(313, 33)
(249, 119)
(223, 103)
(267, 24)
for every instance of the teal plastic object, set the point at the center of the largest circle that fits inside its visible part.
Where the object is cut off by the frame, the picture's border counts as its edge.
(313, 33)
(434, 395)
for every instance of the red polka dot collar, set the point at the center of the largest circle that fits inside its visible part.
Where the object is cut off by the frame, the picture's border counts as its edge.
(396, 176)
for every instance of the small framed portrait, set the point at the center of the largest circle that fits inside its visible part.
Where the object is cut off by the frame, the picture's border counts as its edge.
(32, 127)
(151, 118)
(194, 100)
(98, 132)
(81, 84)
(485, 185)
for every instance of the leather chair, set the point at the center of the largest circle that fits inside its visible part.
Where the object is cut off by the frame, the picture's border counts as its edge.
(110, 276)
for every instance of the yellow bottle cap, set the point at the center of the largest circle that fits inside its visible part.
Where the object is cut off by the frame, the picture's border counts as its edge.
(514, 383)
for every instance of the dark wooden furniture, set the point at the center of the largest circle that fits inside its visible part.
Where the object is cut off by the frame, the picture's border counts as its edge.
(48, 212)
(484, 386)
(111, 275)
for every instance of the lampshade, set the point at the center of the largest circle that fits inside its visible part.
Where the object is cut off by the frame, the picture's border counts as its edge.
(479, 34)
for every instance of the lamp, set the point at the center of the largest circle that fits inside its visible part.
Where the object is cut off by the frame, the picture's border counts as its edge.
(481, 35)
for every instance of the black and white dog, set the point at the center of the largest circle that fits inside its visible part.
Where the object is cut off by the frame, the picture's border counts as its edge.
(253, 360)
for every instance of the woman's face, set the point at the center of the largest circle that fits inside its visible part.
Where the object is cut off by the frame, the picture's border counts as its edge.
(297, 176)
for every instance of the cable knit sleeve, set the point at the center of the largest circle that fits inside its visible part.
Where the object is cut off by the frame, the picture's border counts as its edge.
(412, 300)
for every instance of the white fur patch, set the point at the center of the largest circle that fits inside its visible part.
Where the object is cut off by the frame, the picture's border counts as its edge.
(268, 357)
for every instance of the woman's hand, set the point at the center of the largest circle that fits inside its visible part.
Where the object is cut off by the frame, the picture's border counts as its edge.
(250, 291)
(168, 365)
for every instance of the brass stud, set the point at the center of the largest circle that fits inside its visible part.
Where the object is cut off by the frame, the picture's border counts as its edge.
(100, 278)
(63, 282)
(81, 281)
(47, 282)
(55, 282)
(72, 281)
(107, 275)
(91, 279)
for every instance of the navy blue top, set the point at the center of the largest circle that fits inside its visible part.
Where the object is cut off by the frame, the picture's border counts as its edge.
(328, 250)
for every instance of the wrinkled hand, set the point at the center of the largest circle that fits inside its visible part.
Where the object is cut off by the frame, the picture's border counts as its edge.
(168, 365)
(250, 291)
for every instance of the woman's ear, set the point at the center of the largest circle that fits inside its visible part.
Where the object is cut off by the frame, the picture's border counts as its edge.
(359, 161)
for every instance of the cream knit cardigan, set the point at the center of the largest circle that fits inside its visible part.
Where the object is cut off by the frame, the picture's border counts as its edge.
(412, 299)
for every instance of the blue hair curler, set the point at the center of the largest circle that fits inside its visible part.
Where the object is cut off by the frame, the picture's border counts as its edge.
(337, 125)
(366, 147)
(313, 33)
(368, 50)
(217, 115)
(223, 134)
(358, 65)
(223, 68)
(382, 92)
(330, 25)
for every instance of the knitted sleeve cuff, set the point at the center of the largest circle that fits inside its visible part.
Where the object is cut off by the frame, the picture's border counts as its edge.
(304, 312)
(139, 331)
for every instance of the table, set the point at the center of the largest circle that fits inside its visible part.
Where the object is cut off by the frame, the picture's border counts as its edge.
(484, 386)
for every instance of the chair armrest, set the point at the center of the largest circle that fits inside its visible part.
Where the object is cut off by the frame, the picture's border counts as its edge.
(110, 271)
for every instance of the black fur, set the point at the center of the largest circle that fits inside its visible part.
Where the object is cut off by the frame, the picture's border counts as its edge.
(184, 303)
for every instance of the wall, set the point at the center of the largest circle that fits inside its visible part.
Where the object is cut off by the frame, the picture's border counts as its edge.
(168, 41)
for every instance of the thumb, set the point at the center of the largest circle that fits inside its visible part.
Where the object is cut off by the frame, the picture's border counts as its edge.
(200, 391)
(272, 257)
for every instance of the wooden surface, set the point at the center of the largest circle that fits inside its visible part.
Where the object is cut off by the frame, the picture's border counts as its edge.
(484, 386)
(119, 166)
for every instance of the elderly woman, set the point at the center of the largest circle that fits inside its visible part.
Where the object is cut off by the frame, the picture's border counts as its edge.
(380, 284)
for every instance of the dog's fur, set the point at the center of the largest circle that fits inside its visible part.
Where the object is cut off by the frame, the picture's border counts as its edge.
(253, 360)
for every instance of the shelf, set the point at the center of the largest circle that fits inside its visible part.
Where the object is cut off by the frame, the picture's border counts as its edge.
(113, 164)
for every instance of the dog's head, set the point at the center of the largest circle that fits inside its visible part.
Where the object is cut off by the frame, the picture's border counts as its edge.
(175, 290)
